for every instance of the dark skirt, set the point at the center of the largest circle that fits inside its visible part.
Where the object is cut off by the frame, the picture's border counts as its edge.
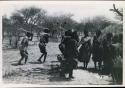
(97, 54)
(84, 54)
(42, 48)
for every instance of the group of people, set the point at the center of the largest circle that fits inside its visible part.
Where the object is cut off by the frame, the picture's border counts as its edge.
(74, 49)
(100, 49)
(71, 52)
(42, 46)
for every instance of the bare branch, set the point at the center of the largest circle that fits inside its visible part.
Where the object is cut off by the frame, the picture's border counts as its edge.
(117, 11)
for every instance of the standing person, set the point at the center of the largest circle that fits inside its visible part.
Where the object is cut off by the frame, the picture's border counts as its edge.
(23, 49)
(70, 53)
(97, 50)
(44, 38)
(85, 49)
(108, 53)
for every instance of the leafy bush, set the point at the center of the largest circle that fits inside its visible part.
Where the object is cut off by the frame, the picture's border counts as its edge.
(117, 31)
(113, 28)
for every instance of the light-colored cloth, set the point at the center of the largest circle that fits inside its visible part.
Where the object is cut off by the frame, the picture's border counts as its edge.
(85, 39)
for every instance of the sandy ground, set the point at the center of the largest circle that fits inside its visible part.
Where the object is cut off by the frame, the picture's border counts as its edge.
(35, 73)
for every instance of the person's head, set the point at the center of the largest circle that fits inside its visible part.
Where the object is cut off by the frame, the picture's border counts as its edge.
(85, 32)
(68, 33)
(46, 30)
(98, 33)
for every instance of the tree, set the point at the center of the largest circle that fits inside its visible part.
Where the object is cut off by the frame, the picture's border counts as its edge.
(59, 24)
(100, 22)
(97, 23)
(118, 11)
(5, 23)
(28, 18)
(7, 28)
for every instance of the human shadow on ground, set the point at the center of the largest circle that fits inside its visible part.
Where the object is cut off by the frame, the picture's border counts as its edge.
(55, 74)
(38, 72)
(55, 77)
(16, 64)
(47, 74)
(35, 62)
(100, 72)
(93, 70)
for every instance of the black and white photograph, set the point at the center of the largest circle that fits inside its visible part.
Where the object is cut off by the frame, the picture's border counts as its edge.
(62, 42)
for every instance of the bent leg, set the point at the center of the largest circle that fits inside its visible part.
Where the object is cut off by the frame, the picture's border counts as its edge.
(40, 57)
(86, 65)
(100, 65)
(71, 73)
(26, 57)
(22, 57)
(95, 64)
(45, 57)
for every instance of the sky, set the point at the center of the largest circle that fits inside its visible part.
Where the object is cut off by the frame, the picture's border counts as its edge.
(81, 10)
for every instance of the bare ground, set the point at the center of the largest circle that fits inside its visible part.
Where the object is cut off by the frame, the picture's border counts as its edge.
(35, 73)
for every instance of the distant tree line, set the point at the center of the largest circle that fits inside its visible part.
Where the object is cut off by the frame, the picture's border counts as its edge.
(35, 19)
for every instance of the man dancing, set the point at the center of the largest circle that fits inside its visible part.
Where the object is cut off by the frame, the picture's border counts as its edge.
(23, 47)
(42, 44)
